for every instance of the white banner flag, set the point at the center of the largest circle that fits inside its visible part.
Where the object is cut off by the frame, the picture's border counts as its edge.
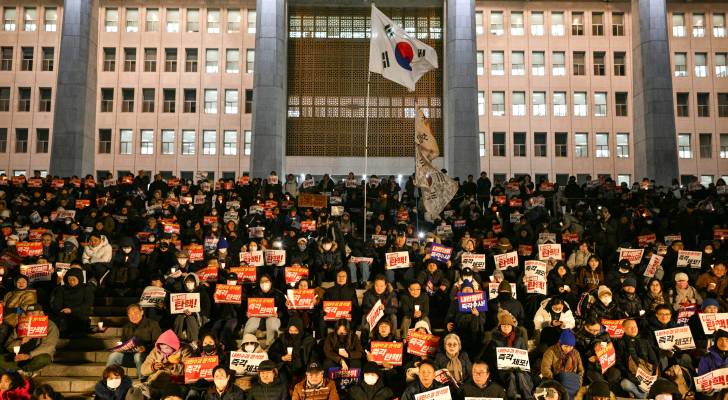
(437, 188)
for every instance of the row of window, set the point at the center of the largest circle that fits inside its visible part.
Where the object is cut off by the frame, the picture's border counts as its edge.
(560, 144)
(537, 21)
(27, 58)
(30, 19)
(42, 138)
(558, 63)
(169, 100)
(45, 96)
(539, 104)
(359, 26)
(173, 22)
(705, 145)
(679, 27)
(191, 56)
(167, 140)
(682, 104)
(700, 60)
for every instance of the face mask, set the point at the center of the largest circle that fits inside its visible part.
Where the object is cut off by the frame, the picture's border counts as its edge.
(253, 248)
(302, 247)
(208, 348)
(45, 220)
(126, 250)
(277, 244)
(232, 283)
(221, 383)
(190, 285)
(113, 383)
(342, 336)
(163, 246)
(327, 246)
(249, 348)
(265, 286)
(606, 300)
(371, 379)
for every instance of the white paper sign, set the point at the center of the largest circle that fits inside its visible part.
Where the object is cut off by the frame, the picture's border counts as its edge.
(713, 322)
(275, 257)
(254, 258)
(181, 302)
(246, 363)
(509, 357)
(634, 256)
(476, 262)
(681, 337)
(645, 379)
(397, 260)
(376, 313)
(549, 251)
(653, 265)
(442, 393)
(686, 258)
(503, 261)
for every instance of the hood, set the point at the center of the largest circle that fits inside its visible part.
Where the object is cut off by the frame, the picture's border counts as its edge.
(169, 338)
(126, 241)
(249, 338)
(195, 277)
(77, 272)
(102, 241)
(334, 246)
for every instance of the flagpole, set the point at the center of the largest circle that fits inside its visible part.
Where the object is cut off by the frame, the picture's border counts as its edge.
(366, 153)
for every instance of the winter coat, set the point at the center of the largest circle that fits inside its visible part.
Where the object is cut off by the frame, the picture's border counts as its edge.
(79, 299)
(19, 393)
(628, 305)
(327, 391)
(351, 344)
(232, 392)
(15, 299)
(264, 391)
(302, 351)
(705, 279)
(329, 260)
(577, 259)
(585, 344)
(587, 280)
(99, 254)
(388, 298)
(173, 364)
(543, 316)
(491, 389)
(553, 363)
(715, 359)
(635, 348)
(441, 361)
(35, 347)
(147, 331)
(417, 388)
(103, 392)
(407, 305)
(345, 293)
(378, 391)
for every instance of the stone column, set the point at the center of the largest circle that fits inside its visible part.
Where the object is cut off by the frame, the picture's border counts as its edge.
(655, 147)
(74, 116)
(460, 101)
(269, 89)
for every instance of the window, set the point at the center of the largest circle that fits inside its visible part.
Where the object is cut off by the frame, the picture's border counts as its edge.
(9, 20)
(706, 145)
(3, 140)
(170, 60)
(209, 147)
(623, 145)
(248, 101)
(167, 141)
(721, 67)
(600, 104)
(617, 24)
(560, 106)
(681, 64)
(248, 141)
(480, 62)
(602, 143)
(577, 24)
(580, 106)
(557, 23)
(26, 62)
(6, 63)
(47, 61)
(129, 59)
(213, 21)
(232, 61)
(107, 99)
(678, 25)
(706, 180)
(148, 100)
(537, 23)
(211, 61)
(170, 100)
(498, 104)
(683, 146)
(4, 99)
(537, 63)
(252, 16)
(44, 102)
(620, 104)
(723, 105)
(539, 104)
(152, 22)
(231, 101)
(125, 141)
(249, 60)
(518, 66)
(703, 104)
(481, 143)
(230, 143)
(519, 144)
(150, 60)
(190, 60)
(127, 100)
(599, 67)
(496, 23)
(499, 144)
(24, 99)
(193, 20)
(50, 19)
(701, 67)
(683, 104)
(104, 141)
(210, 101)
(479, 23)
(41, 140)
(173, 20)
(132, 20)
(517, 23)
(581, 145)
(624, 178)
(188, 142)
(719, 25)
(539, 144)
(146, 143)
(190, 105)
(111, 21)
(496, 63)
(21, 140)
(109, 59)
(619, 61)
(233, 20)
(518, 104)
(579, 63)
(481, 103)
(597, 24)
(723, 145)
(698, 25)
(558, 61)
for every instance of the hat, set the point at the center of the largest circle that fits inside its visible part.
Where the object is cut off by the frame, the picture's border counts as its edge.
(504, 243)
(629, 282)
(314, 367)
(720, 333)
(603, 289)
(567, 338)
(302, 239)
(681, 276)
(266, 365)
(466, 283)
(624, 264)
(72, 240)
(424, 325)
(506, 318)
(249, 338)
(599, 388)
(504, 286)
(222, 244)
(370, 368)
(709, 302)
(297, 322)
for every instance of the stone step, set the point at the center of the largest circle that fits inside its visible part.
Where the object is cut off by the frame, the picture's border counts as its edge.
(87, 343)
(109, 332)
(109, 320)
(77, 357)
(115, 301)
(81, 385)
(77, 396)
(110, 311)
(78, 370)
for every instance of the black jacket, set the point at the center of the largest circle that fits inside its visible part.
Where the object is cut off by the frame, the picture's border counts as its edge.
(147, 331)
(362, 391)
(492, 389)
(264, 391)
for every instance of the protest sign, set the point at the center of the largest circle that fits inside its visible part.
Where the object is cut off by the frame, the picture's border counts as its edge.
(343, 378)
(442, 393)
(197, 368)
(569, 238)
(244, 363)
(207, 274)
(228, 294)
(692, 259)
(197, 252)
(468, 301)
(294, 274)
(29, 249)
(634, 256)
(525, 250)
(681, 337)
(645, 379)
(644, 240)
(152, 296)
(37, 272)
(653, 265)
(310, 200)
(375, 314)
(262, 307)
(422, 344)
(275, 257)
(245, 273)
(181, 302)
(387, 352)
(712, 381)
(606, 355)
(476, 262)
(614, 327)
(685, 312)
(399, 259)
(441, 253)
(254, 258)
(503, 261)
(509, 357)
(336, 310)
(549, 251)
(301, 299)
(130, 346)
(32, 326)
(712, 322)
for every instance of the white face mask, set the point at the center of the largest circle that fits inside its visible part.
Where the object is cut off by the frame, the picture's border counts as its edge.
(126, 250)
(265, 286)
(253, 248)
(221, 383)
(113, 383)
(371, 379)
(232, 283)
(606, 300)
(249, 348)
(327, 246)
(190, 285)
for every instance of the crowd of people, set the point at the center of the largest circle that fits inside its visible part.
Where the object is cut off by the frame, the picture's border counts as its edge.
(274, 289)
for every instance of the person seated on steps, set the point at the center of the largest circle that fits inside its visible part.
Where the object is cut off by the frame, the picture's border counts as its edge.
(145, 330)
(71, 304)
(32, 353)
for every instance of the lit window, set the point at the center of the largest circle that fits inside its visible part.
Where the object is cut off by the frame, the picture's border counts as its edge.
(560, 108)
(580, 105)
(125, 141)
(537, 63)
(479, 23)
(498, 104)
(112, 20)
(30, 19)
(600, 104)
(232, 61)
(251, 21)
(496, 63)
(188, 142)
(517, 23)
(248, 142)
(602, 145)
(230, 143)
(698, 25)
(233, 20)
(9, 19)
(193, 20)
(719, 25)
(147, 142)
(167, 141)
(518, 106)
(518, 67)
(558, 60)
(152, 21)
(683, 146)
(209, 145)
(701, 67)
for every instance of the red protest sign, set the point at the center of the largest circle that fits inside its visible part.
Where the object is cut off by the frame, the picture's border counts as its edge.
(197, 368)
(525, 250)
(35, 183)
(308, 226)
(644, 240)
(262, 307)
(171, 228)
(720, 234)
(301, 299)
(567, 238)
(246, 274)
(606, 355)
(228, 294)
(36, 234)
(32, 326)
(613, 327)
(295, 274)
(336, 310)
(197, 252)
(387, 352)
(29, 249)
(147, 248)
(422, 344)
(81, 204)
(37, 272)
(209, 219)
(207, 274)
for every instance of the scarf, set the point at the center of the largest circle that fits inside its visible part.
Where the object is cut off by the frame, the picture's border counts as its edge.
(568, 361)
(455, 367)
(685, 296)
(510, 338)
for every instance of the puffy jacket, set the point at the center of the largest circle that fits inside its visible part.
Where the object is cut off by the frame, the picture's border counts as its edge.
(102, 392)
(44, 345)
(417, 388)
(173, 364)
(147, 331)
(99, 254)
(232, 392)
(268, 391)
(552, 363)
(15, 299)
(378, 391)
(543, 316)
(327, 391)
(715, 359)
(388, 298)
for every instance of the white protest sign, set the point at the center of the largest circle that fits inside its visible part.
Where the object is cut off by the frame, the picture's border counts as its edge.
(686, 258)
(549, 251)
(181, 302)
(713, 322)
(713, 380)
(509, 357)
(442, 393)
(275, 257)
(244, 363)
(653, 265)
(376, 313)
(254, 258)
(152, 296)
(645, 379)
(634, 256)
(399, 259)
(503, 261)
(535, 276)
(476, 262)
(681, 337)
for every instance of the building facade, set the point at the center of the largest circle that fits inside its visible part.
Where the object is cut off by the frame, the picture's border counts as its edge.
(545, 88)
